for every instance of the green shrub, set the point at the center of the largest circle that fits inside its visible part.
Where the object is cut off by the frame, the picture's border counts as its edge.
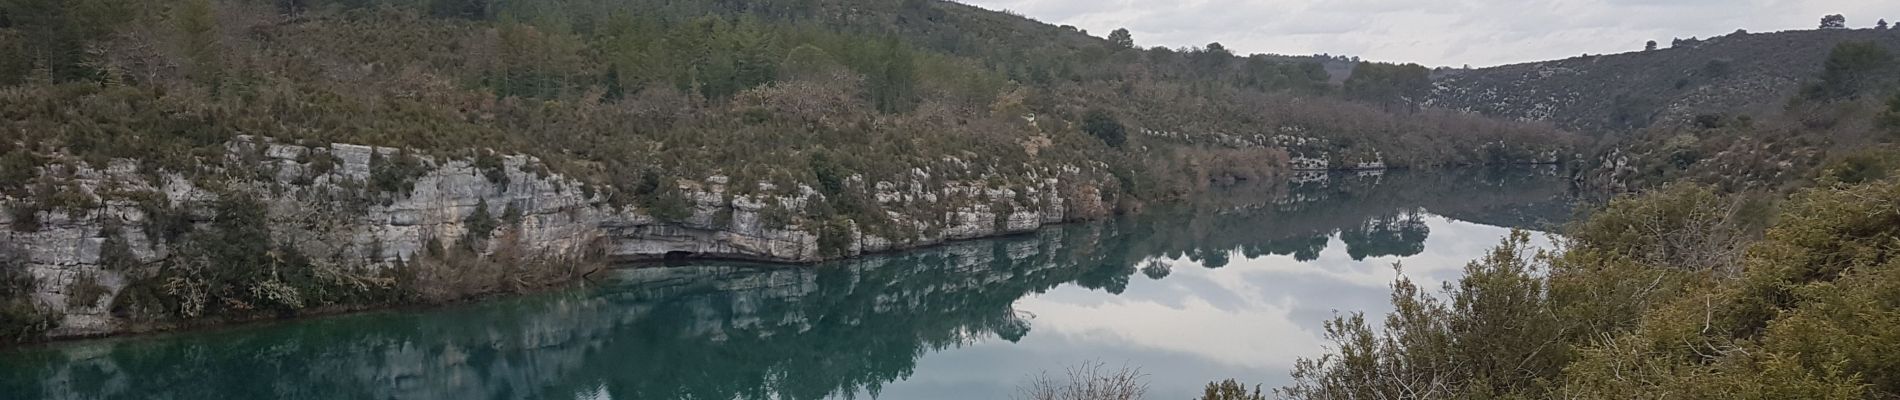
(669, 205)
(26, 217)
(774, 217)
(85, 291)
(834, 237)
(1103, 125)
(1681, 225)
(20, 318)
(1891, 117)
(395, 174)
(480, 223)
(1230, 390)
(115, 254)
(1860, 167)
(1849, 67)
(511, 215)
(17, 170)
(1806, 312)
(492, 167)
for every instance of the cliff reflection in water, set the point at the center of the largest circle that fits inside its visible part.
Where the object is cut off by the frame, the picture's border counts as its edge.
(724, 332)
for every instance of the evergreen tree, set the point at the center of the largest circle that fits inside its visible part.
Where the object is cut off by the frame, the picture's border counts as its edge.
(1103, 125)
(49, 37)
(893, 78)
(198, 25)
(1835, 21)
(1850, 65)
(1121, 39)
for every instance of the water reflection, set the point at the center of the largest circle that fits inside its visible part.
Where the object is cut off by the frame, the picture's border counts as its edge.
(1232, 286)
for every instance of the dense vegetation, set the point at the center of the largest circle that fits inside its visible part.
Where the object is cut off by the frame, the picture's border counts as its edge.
(638, 100)
(1772, 278)
(1752, 258)
(623, 93)
(1662, 295)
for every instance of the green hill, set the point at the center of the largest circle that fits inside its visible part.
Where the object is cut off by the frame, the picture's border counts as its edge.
(1740, 73)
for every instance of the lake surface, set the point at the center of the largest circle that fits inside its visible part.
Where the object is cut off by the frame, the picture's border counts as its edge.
(1235, 285)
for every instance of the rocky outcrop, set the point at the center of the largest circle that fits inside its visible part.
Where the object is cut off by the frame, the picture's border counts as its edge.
(671, 319)
(327, 203)
(320, 208)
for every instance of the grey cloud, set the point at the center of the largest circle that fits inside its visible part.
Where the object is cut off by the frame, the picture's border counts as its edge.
(1448, 32)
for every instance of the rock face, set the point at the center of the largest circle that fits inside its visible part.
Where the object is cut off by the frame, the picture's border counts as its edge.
(322, 201)
(1622, 92)
(573, 342)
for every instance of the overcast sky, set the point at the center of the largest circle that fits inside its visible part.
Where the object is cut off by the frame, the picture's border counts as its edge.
(1438, 32)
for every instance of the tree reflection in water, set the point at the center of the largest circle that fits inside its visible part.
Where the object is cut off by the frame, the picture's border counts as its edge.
(751, 332)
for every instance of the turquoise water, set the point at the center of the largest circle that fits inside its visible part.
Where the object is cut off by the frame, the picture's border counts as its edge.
(1233, 286)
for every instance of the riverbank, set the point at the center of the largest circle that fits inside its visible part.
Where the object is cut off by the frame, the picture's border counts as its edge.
(345, 227)
(342, 227)
(900, 321)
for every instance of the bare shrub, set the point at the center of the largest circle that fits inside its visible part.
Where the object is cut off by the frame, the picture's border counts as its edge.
(1684, 225)
(1091, 380)
(456, 272)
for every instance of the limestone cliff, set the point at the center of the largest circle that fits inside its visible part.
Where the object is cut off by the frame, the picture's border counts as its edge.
(323, 203)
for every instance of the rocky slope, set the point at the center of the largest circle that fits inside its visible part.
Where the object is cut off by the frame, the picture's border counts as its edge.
(834, 329)
(1735, 74)
(549, 221)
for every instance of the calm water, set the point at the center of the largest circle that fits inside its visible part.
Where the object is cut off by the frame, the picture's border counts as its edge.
(1236, 286)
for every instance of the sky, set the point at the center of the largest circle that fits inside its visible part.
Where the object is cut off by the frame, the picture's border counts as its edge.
(1439, 32)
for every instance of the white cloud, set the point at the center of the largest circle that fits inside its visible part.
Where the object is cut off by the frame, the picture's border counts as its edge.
(1441, 32)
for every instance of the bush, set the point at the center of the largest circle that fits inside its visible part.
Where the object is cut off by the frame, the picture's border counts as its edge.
(1810, 314)
(1891, 117)
(85, 291)
(1858, 168)
(395, 174)
(492, 167)
(480, 224)
(20, 318)
(1849, 68)
(1230, 390)
(834, 237)
(17, 170)
(1682, 225)
(1091, 380)
(669, 205)
(1104, 126)
(115, 254)
(26, 216)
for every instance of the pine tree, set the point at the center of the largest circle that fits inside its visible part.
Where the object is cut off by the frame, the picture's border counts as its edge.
(1835, 21)
(894, 78)
(198, 26)
(1122, 39)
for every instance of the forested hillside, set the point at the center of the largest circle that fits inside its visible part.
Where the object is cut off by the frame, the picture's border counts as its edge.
(617, 91)
(365, 152)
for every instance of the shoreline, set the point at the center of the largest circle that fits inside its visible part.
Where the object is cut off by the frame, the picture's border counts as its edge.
(582, 280)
